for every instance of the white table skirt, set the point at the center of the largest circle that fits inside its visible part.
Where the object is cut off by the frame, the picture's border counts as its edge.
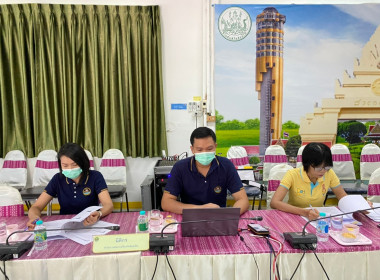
(339, 266)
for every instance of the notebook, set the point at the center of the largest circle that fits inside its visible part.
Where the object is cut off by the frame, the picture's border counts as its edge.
(213, 226)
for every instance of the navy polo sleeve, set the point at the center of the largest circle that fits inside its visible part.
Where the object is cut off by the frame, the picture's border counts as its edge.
(174, 184)
(53, 186)
(234, 183)
(99, 182)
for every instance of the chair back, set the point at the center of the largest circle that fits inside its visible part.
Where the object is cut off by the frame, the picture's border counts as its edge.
(11, 204)
(113, 168)
(299, 156)
(238, 156)
(14, 171)
(46, 167)
(374, 187)
(91, 159)
(274, 155)
(342, 162)
(275, 176)
(369, 160)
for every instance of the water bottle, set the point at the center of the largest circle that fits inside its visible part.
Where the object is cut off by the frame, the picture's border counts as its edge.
(142, 222)
(322, 228)
(40, 236)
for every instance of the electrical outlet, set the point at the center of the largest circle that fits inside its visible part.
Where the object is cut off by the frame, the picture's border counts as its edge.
(211, 118)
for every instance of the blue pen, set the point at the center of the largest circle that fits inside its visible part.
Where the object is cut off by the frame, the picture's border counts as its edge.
(34, 222)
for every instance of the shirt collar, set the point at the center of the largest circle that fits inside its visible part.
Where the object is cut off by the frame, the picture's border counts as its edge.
(193, 167)
(70, 182)
(306, 178)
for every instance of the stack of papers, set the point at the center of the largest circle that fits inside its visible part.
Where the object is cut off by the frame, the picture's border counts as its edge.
(375, 214)
(81, 236)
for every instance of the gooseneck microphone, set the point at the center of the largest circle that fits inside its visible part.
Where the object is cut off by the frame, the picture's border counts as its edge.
(161, 243)
(300, 240)
(16, 249)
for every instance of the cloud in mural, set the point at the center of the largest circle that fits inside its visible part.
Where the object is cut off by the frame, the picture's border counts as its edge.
(315, 55)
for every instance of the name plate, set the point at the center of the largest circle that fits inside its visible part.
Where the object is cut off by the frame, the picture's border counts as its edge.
(120, 243)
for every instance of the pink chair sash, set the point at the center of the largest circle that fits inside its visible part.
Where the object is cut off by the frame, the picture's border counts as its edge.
(12, 210)
(275, 159)
(370, 158)
(341, 157)
(239, 161)
(91, 163)
(14, 164)
(299, 158)
(112, 162)
(47, 164)
(374, 189)
(273, 185)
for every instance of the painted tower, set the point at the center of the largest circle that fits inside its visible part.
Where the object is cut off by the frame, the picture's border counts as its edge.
(269, 73)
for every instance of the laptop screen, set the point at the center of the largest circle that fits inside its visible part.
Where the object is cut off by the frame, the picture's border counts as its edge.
(210, 221)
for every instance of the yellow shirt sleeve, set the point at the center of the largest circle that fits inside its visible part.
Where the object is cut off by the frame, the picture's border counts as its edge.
(287, 181)
(334, 180)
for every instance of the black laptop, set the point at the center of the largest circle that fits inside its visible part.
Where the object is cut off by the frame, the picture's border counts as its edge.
(210, 221)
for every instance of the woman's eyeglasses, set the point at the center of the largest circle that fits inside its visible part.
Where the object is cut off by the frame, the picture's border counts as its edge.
(319, 169)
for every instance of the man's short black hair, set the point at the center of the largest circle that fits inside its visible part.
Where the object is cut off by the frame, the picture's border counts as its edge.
(77, 154)
(316, 154)
(202, 132)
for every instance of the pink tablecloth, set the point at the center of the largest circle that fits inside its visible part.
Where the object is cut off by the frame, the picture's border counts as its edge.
(278, 222)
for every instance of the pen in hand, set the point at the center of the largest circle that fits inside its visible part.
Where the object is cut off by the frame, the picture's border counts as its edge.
(34, 222)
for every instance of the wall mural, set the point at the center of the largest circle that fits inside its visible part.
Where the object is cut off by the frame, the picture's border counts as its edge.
(288, 70)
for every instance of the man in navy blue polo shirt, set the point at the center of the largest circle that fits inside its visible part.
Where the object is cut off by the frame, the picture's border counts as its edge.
(202, 181)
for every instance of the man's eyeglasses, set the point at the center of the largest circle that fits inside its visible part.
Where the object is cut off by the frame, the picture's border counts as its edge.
(319, 169)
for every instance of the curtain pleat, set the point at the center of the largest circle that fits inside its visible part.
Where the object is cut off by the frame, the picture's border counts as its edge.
(81, 73)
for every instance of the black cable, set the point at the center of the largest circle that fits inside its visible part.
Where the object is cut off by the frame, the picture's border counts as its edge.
(315, 254)
(274, 254)
(252, 253)
(155, 268)
(167, 259)
(3, 271)
(304, 252)
(270, 258)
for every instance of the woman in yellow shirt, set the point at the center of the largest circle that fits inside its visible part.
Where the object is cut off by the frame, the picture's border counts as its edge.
(308, 185)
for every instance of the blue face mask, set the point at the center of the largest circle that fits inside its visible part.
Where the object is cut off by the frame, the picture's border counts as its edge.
(205, 158)
(72, 173)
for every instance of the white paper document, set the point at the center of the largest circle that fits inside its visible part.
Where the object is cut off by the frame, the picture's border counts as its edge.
(81, 236)
(375, 214)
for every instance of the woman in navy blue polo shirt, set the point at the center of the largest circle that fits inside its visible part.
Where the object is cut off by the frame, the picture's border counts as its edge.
(76, 187)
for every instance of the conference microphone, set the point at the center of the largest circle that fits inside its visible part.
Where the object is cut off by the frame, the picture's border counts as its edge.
(305, 240)
(161, 243)
(16, 249)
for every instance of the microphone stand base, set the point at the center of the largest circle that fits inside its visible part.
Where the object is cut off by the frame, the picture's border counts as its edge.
(161, 244)
(299, 241)
(14, 250)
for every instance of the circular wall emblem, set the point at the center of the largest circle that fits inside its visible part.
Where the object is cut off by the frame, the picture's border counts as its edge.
(234, 24)
(375, 87)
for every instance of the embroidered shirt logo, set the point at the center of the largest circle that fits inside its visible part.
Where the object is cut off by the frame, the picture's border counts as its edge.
(86, 191)
(218, 189)
(300, 192)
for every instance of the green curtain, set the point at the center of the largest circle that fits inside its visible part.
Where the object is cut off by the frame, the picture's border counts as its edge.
(85, 74)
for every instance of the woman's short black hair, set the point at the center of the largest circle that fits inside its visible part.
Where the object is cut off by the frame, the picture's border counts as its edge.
(77, 154)
(315, 154)
(202, 132)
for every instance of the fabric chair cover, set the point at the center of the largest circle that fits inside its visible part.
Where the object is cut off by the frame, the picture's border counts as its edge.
(90, 157)
(10, 202)
(342, 162)
(113, 169)
(275, 176)
(46, 167)
(369, 160)
(299, 156)
(274, 155)
(238, 156)
(14, 171)
(374, 187)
